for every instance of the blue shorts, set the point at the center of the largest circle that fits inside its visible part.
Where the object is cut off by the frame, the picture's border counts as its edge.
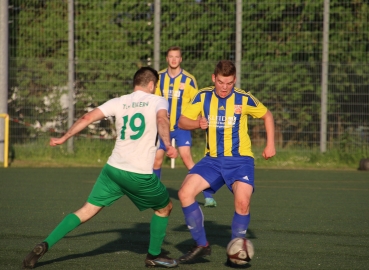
(225, 170)
(182, 138)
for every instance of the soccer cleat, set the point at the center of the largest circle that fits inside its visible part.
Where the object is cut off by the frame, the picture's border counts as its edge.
(210, 202)
(37, 252)
(194, 253)
(160, 260)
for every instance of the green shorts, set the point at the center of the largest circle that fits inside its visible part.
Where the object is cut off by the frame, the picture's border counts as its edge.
(144, 190)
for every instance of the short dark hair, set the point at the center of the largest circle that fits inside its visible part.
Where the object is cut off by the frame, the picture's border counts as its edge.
(174, 48)
(225, 68)
(145, 75)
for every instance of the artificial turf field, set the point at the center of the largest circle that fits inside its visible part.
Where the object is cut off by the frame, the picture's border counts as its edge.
(300, 219)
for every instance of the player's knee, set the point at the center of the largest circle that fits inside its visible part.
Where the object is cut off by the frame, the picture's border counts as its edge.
(242, 207)
(157, 163)
(169, 207)
(184, 194)
(188, 163)
(165, 212)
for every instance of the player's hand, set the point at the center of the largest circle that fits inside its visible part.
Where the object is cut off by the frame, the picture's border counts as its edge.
(56, 141)
(269, 152)
(172, 152)
(203, 123)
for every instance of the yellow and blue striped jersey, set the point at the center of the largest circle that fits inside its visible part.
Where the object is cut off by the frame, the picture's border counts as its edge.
(227, 134)
(179, 91)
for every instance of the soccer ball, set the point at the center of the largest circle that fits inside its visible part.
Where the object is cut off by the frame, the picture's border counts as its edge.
(240, 251)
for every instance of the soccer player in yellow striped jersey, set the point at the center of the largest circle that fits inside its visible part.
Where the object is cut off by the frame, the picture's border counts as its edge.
(229, 159)
(178, 87)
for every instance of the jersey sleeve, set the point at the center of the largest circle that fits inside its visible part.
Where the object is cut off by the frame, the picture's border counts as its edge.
(162, 104)
(108, 108)
(194, 84)
(254, 107)
(193, 89)
(194, 108)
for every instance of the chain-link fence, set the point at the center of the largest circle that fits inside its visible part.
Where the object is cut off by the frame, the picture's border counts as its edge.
(281, 63)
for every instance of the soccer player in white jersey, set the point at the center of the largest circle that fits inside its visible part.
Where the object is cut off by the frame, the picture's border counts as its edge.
(140, 116)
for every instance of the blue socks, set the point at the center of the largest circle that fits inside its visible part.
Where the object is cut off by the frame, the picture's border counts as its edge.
(158, 173)
(239, 225)
(207, 194)
(195, 222)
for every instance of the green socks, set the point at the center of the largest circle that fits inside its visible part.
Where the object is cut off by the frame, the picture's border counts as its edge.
(158, 227)
(69, 223)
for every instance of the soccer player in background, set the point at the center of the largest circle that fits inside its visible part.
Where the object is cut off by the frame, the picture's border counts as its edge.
(140, 116)
(229, 159)
(179, 87)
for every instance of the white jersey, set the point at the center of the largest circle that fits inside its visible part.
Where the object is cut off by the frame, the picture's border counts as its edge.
(137, 133)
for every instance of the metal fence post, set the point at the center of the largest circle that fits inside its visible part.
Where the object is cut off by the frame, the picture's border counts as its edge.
(70, 70)
(238, 42)
(4, 69)
(325, 55)
(157, 8)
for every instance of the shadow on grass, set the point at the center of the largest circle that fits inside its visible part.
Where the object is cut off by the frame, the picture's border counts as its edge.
(133, 239)
(217, 235)
(136, 240)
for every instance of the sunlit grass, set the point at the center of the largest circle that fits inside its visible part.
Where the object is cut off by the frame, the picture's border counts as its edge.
(95, 152)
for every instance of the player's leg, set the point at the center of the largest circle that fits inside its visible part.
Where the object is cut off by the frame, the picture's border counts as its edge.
(68, 224)
(193, 185)
(239, 176)
(241, 218)
(72, 221)
(147, 191)
(99, 197)
(184, 142)
(158, 227)
(185, 154)
(159, 158)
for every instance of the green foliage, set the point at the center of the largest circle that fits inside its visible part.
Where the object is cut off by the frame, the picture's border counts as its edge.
(281, 55)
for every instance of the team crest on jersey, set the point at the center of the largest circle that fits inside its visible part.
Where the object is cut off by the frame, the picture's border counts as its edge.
(237, 109)
(181, 86)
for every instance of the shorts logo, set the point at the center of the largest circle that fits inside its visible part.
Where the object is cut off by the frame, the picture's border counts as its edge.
(237, 109)
(246, 178)
(187, 142)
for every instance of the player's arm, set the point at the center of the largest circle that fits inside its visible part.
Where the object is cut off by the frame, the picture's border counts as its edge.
(163, 130)
(192, 117)
(269, 150)
(79, 125)
(189, 124)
